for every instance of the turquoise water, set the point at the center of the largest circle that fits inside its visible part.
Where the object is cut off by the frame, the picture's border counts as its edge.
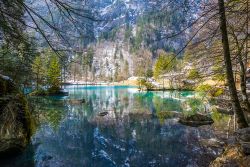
(136, 131)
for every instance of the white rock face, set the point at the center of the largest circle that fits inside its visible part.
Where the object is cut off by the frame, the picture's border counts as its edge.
(110, 57)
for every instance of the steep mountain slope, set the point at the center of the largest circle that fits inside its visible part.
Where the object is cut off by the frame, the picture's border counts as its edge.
(130, 26)
(124, 26)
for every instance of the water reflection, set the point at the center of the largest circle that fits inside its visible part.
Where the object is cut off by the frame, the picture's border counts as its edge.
(140, 129)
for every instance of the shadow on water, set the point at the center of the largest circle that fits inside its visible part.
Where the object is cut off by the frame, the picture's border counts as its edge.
(25, 159)
(140, 129)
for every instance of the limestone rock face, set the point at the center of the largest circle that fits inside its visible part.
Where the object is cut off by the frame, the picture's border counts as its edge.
(15, 120)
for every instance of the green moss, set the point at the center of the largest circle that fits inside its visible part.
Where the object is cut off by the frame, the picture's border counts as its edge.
(28, 121)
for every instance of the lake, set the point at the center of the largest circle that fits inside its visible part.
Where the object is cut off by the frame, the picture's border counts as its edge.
(134, 129)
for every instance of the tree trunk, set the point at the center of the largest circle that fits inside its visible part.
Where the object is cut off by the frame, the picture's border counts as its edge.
(243, 84)
(229, 71)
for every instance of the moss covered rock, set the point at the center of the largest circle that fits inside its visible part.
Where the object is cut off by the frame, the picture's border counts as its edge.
(15, 119)
(196, 120)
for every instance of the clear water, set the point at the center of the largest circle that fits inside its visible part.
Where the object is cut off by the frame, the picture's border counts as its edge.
(134, 133)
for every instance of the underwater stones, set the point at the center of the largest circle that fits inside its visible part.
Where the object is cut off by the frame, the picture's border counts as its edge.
(77, 102)
(212, 143)
(196, 120)
(15, 120)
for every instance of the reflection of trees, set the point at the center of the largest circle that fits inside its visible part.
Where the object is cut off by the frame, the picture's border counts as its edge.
(143, 102)
(139, 137)
(166, 104)
(71, 145)
(144, 140)
(48, 109)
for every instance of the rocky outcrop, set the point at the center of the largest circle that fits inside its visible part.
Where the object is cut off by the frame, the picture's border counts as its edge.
(15, 119)
(233, 156)
(236, 154)
(196, 120)
(243, 137)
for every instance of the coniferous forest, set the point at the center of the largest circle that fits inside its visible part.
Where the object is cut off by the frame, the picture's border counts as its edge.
(110, 83)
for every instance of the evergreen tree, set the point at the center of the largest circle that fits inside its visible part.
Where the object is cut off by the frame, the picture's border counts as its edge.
(54, 73)
(164, 63)
(38, 68)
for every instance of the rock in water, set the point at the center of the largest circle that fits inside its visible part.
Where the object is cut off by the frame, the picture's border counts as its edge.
(77, 102)
(196, 120)
(15, 119)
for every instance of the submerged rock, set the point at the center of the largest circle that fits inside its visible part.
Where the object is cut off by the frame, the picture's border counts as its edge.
(102, 114)
(15, 120)
(196, 120)
(213, 142)
(77, 102)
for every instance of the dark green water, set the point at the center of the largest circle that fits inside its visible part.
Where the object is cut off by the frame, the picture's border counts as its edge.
(138, 131)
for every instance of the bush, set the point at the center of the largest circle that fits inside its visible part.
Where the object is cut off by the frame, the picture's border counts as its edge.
(145, 83)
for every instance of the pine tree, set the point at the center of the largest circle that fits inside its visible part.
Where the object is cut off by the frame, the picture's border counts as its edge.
(39, 70)
(54, 73)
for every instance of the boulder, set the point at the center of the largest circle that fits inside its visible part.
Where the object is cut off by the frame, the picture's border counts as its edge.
(15, 119)
(196, 120)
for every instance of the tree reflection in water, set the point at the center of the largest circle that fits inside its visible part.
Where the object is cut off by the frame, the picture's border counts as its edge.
(140, 129)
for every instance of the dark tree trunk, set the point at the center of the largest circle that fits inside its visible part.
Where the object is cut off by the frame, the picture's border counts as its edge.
(229, 71)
